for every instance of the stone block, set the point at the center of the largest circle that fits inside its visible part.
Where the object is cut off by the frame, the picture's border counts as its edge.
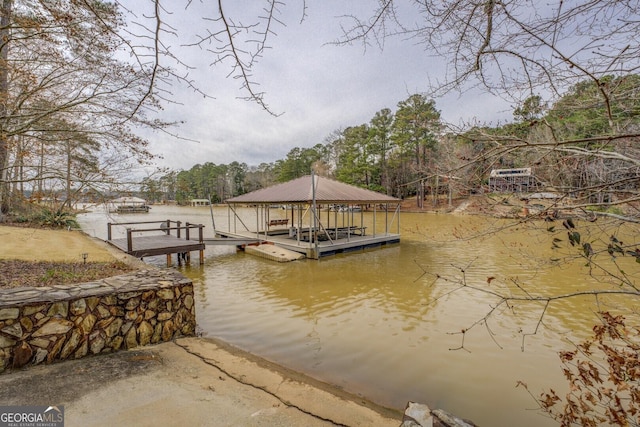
(153, 304)
(103, 312)
(116, 343)
(130, 339)
(9, 313)
(78, 307)
(6, 342)
(92, 303)
(104, 323)
(148, 295)
(117, 311)
(157, 333)
(188, 301)
(60, 309)
(82, 350)
(14, 331)
(145, 332)
(40, 342)
(168, 329)
(55, 350)
(33, 309)
(97, 345)
(40, 356)
(166, 294)
(26, 323)
(417, 415)
(129, 295)
(165, 315)
(114, 328)
(109, 300)
(86, 326)
(54, 326)
(71, 344)
(132, 304)
(21, 355)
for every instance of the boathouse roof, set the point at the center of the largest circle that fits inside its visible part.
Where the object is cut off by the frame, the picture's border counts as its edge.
(300, 190)
(129, 199)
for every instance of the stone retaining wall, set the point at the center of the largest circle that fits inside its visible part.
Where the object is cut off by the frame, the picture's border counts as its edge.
(43, 325)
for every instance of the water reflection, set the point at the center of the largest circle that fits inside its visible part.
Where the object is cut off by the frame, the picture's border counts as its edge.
(382, 323)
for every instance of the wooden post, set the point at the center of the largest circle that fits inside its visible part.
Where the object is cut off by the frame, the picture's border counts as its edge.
(168, 227)
(168, 260)
(108, 231)
(186, 231)
(187, 261)
(129, 241)
(201, 240)
(178, 225)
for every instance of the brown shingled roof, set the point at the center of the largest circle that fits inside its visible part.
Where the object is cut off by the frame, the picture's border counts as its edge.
(300, 191)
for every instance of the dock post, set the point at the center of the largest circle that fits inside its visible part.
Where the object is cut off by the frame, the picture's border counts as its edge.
(186, 231)
(168, 260)
(178, 225)
(129, 241)
(201, 240)
(108, 231)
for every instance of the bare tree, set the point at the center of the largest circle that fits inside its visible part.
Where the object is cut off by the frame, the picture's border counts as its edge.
(522, 50)
(63, 73)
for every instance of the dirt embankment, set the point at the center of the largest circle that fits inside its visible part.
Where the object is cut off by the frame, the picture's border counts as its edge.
(502, 206)
(42, 257)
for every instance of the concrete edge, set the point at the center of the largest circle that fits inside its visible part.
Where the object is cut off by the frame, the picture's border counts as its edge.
(287, 384)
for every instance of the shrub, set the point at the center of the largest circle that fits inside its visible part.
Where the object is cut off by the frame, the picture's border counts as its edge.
(604, 378)
(56, 218)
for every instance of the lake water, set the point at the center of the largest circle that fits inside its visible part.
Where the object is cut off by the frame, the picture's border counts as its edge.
(386, 323)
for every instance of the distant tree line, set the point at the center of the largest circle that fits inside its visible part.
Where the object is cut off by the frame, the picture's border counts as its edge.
(410, 152)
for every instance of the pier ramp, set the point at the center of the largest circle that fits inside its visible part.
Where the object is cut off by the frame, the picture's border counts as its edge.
(273, 252)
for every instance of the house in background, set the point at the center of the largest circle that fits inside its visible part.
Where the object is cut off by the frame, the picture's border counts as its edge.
(516, 180)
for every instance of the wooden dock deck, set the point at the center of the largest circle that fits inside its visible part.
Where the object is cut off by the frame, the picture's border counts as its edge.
(157, 245)
(158, 240)
(320, 248)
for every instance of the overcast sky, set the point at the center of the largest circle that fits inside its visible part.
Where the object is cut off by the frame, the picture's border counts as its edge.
(317, 87)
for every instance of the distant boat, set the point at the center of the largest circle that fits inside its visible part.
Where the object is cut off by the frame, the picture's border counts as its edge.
(124, 205)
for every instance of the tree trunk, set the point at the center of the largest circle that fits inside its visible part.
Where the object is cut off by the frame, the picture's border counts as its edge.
(68, 175)
(4, 92)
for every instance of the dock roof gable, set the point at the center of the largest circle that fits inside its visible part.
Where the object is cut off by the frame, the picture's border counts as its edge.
(300, 190)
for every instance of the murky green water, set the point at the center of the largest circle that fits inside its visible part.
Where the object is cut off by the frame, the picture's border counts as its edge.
(386, 323)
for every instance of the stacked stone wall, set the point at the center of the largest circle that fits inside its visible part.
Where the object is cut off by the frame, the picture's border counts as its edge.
(44, 325)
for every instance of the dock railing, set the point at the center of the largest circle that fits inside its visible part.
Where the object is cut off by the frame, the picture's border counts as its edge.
(164, 226)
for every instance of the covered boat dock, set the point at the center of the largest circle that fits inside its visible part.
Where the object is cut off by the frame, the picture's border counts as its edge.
(316, 216)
